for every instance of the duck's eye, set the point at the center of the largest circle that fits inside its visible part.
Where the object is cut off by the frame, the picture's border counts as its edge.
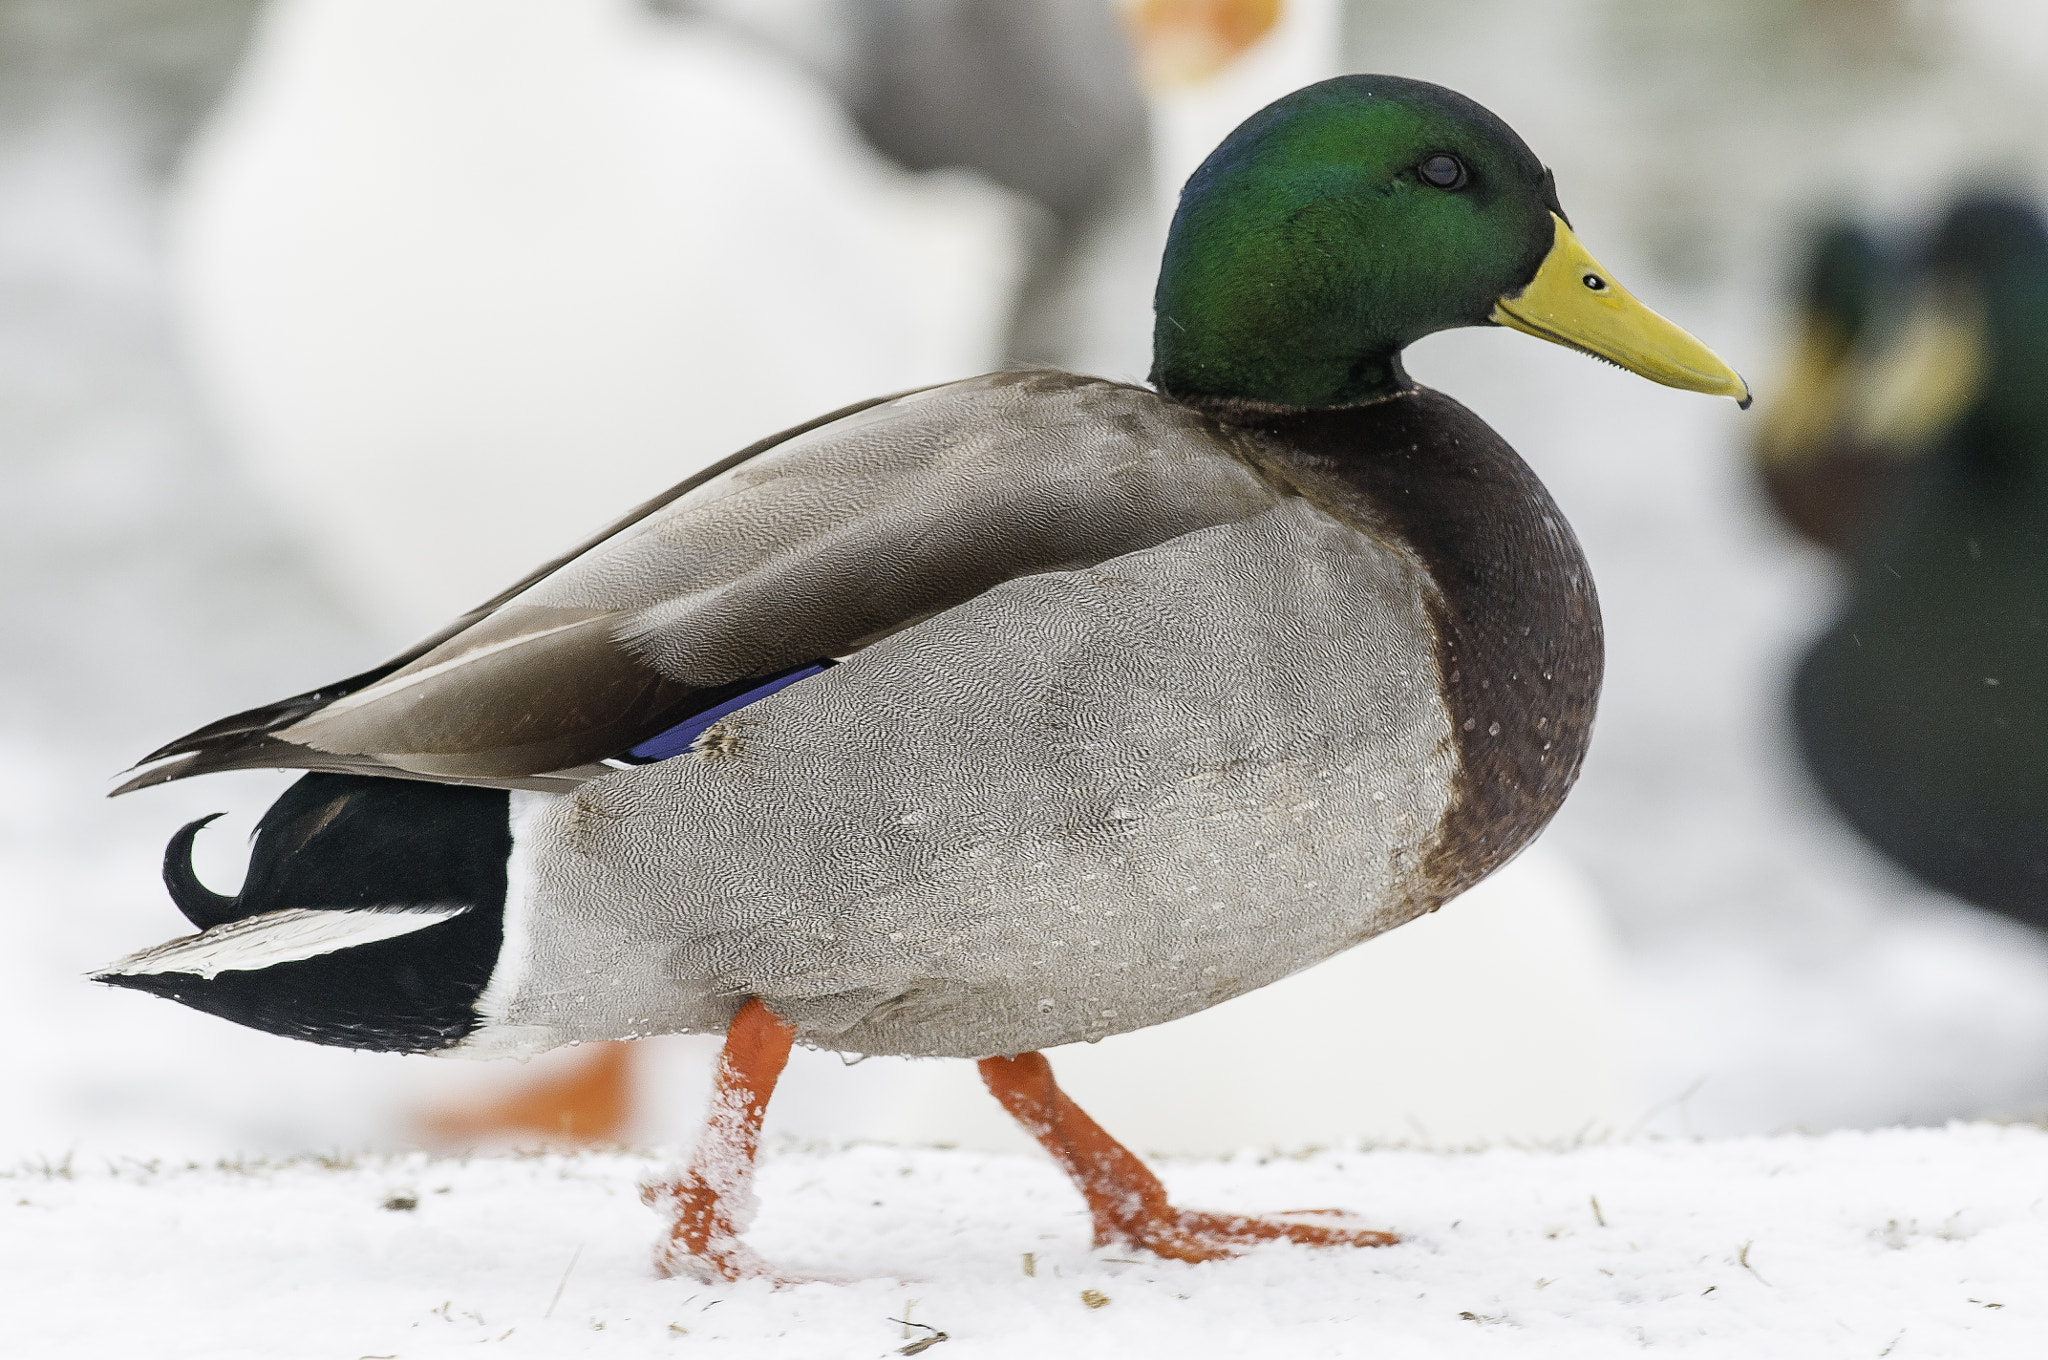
(1442, 171)
(1595, 283)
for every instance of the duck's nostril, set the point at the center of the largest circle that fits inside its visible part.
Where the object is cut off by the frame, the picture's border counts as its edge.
(1596, 283)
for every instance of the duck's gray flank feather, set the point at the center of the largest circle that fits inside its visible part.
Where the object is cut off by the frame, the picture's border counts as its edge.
(1080, 803)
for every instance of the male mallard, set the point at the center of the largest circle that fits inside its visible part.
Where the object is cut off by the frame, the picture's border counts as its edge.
(1822, 480)
(997, 715)
(1923, 710)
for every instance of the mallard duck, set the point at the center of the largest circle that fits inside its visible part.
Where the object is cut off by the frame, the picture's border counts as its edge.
(996, 715)
(1922, 712)
(1824, 482)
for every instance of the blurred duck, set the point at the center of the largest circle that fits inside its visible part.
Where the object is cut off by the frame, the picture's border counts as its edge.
(1039, 96)
(1821, 481)
(1049, 98)
(1923, 710)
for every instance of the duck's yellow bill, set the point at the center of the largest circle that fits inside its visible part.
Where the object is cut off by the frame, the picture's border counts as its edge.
(1572, 301)
(1809, 398)
(1926, 375)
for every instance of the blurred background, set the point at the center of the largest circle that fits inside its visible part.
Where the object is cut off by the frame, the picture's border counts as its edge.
(321, 320)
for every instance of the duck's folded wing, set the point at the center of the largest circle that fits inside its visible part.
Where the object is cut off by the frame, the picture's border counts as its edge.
(804, 547)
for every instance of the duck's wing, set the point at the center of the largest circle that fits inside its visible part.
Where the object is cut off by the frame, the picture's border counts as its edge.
(804, 547)
(239, 741)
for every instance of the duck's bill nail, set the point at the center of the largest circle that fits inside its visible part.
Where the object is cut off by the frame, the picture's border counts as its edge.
(1923, 377)
(1573, 301)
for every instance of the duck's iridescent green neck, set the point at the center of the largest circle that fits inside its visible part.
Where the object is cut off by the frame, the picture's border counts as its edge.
(1257, 323)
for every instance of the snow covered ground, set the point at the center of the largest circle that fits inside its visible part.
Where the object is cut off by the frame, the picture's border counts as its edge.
(1902, 1243)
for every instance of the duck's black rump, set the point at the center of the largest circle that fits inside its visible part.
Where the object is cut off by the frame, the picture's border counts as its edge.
(348, 843)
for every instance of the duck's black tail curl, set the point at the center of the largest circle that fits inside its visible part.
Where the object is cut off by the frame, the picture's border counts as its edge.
(202, 906)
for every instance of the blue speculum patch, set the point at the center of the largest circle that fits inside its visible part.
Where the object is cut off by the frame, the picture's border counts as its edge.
(679, 738)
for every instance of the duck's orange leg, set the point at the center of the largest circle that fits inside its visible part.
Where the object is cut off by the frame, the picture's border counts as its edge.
(1127, 1201)
(712, 1202)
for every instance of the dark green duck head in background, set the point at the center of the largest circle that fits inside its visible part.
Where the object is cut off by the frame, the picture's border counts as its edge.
(1352, 218)
(1923, 711)
(1963, 370)
(1823, 483)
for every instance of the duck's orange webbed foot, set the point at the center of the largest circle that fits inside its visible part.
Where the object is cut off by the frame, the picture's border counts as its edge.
(710, 1205)
(1127, 1201)
(1190, 1235)
(704, 1238)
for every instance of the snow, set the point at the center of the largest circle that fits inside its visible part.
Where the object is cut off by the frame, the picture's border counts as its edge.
(1908, 1243)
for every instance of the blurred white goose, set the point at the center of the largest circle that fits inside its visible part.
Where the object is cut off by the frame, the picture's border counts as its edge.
(516, 263)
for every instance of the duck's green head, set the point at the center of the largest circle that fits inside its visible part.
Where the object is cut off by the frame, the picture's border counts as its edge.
(1346, 221)
(1846, 273)
(1969, 354)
